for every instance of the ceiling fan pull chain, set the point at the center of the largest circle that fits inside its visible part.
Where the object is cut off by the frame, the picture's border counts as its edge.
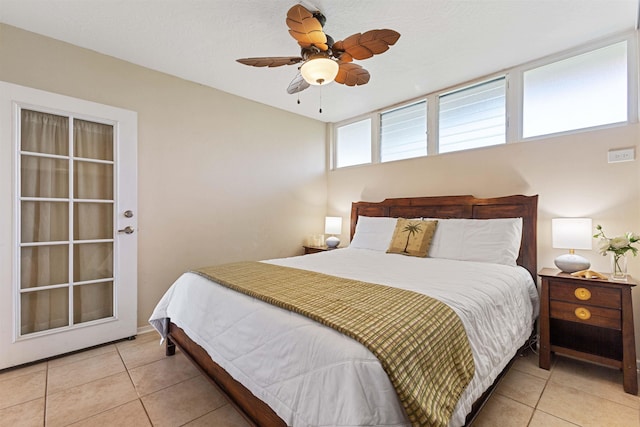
(320, 99)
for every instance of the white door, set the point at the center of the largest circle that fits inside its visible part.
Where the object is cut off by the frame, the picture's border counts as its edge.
(68, 211)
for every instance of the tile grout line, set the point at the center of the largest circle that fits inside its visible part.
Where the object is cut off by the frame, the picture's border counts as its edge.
(599, 396)
(28, 400)
(535, 408)
(204, 415)
(140, 398)
(126, 369)
(144, 408)
(546, 385)
(46, 394)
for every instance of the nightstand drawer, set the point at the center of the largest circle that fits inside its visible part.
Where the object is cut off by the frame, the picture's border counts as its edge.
(587, 314)
(585, 293)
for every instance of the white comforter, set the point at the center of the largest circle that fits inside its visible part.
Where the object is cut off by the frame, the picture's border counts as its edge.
(311, 375)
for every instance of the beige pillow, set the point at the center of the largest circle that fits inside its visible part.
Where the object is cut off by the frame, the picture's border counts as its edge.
(412, 237)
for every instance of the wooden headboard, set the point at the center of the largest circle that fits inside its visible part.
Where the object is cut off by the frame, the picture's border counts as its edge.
(525, 207)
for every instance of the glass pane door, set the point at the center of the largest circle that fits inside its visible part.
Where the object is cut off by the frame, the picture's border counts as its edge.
(66, 221)
(68, 183)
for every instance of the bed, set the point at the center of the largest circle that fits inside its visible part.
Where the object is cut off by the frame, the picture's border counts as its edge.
(281, 368)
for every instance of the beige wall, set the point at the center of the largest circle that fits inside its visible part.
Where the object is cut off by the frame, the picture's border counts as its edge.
(569, 173)
(221, 178)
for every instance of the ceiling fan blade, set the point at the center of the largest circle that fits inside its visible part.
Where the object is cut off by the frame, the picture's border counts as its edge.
(272, 61)
(305, 28)
(298, 84)
(351, 74)
(363, 46)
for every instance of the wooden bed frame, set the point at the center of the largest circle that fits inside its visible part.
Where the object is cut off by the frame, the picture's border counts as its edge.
(525, 207)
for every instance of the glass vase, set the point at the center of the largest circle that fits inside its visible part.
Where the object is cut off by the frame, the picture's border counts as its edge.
(619, 267)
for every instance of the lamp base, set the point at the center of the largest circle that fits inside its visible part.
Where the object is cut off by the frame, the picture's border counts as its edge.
(570, 263)
(332, 242)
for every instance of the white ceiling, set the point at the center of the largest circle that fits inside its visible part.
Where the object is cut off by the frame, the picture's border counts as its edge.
(442, 43)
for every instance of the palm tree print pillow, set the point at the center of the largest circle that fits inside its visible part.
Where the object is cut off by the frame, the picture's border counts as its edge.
(412, 237)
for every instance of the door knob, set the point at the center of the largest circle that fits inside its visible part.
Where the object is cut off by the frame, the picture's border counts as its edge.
(127, 230)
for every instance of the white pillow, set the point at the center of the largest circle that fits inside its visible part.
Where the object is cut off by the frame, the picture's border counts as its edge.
(373, 233)
(482, 240)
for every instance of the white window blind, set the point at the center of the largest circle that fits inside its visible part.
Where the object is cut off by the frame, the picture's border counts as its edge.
(403, 132)
(579, 92)
(473, 117)
(353, 144)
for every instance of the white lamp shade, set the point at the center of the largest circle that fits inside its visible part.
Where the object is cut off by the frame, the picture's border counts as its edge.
(333, 225)
(319, 71)
(572, 233)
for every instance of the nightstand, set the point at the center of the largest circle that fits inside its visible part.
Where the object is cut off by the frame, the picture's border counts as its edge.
(590, 319)
(314, 249)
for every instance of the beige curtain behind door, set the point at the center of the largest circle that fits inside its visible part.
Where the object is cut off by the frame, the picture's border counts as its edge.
(44, 221)
(44, 176)
(93, 220)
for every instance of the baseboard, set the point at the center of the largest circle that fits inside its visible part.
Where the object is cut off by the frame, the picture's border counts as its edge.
(148, 328)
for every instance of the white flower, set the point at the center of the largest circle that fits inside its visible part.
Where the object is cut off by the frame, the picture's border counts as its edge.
(619, 242)
(603, 246)
(618, 245)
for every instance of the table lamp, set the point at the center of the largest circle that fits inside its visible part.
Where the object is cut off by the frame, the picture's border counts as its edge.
(572, 234)
(332, 226)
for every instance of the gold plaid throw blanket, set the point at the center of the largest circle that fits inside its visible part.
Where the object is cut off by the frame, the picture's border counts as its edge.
(419, 340)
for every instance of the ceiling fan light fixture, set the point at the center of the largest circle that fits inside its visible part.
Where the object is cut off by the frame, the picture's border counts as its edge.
(319, 70)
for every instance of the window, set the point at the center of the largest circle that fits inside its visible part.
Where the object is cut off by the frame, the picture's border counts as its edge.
(353, 144)
(403, 132)
(473, 117)
(592, 88)
(579, 92)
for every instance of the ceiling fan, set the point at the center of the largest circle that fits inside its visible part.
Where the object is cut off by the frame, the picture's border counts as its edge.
(324, 60)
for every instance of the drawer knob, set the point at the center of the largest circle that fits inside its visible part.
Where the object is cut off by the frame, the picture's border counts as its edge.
(582, 294)
(582, 313)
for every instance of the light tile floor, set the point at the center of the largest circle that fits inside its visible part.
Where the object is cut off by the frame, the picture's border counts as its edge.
(132, 383)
